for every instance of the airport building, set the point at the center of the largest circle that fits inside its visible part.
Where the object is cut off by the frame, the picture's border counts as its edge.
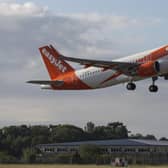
(133, 150)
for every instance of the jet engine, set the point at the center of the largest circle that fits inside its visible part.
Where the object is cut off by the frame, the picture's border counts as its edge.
(147, 69)
(161, 67)
(151, 68)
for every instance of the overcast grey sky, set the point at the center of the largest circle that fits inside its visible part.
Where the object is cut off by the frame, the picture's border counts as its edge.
(102, 29)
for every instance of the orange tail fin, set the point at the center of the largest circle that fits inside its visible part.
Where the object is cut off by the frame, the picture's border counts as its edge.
(54, 64)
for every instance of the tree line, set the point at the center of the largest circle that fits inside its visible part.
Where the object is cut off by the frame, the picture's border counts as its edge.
(17, 143)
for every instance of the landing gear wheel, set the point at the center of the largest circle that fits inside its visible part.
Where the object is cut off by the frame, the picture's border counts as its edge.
(131, 86)
(153, 88)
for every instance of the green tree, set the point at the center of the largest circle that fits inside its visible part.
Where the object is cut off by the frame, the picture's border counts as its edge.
(39, 130)
(89, 153)
(89, 127)
(136, 136)
(115, 124)
(163, 139)
(111, 131)
(140, 136)
(65, 133)
(29, 155)
(150, 137)
(6, 158)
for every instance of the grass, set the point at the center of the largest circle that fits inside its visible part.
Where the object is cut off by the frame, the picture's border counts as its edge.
(68, 166)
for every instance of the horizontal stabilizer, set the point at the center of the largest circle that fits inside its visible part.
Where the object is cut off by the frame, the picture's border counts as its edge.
(44, 82)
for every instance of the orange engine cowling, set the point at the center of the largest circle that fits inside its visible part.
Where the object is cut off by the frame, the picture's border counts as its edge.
(147, 69)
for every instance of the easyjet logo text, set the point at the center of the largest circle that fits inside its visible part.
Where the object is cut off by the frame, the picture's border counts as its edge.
(56, 62)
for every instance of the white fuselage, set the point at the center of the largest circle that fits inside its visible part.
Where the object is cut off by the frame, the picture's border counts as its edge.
(96, 77)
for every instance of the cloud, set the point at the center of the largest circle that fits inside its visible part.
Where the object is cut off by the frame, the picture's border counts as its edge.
(25, 9)
(114, 21)
(25, 27)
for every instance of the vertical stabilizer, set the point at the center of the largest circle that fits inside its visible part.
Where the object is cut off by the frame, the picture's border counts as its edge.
(54, 64)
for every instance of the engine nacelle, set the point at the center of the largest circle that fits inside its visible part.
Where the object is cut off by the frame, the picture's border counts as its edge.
(147, 69)
(161, 67)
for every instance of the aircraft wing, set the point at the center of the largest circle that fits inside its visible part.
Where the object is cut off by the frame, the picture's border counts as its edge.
(124, 67)
(45, 82)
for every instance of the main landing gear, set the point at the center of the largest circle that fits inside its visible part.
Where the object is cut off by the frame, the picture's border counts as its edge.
(152, 88)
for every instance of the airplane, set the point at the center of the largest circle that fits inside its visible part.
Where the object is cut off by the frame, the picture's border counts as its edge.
(100, 74)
